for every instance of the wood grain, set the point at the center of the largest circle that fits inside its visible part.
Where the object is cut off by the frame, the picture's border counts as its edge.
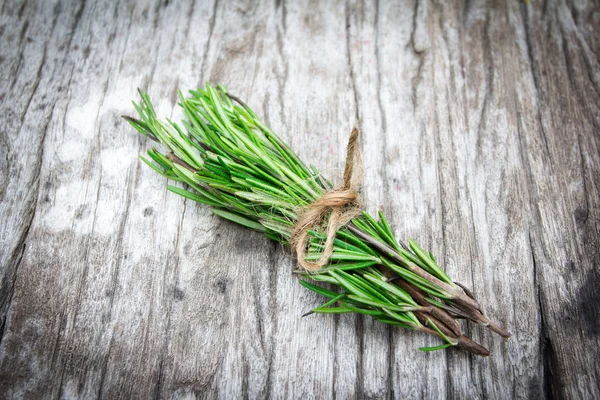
(480, 137)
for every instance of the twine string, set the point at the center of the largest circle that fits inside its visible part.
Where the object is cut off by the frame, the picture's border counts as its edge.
(342, 203)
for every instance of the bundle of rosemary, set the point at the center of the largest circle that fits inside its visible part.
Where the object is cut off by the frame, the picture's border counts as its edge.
(234, 163)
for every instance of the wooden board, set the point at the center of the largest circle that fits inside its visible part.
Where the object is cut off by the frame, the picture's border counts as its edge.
(480, 135)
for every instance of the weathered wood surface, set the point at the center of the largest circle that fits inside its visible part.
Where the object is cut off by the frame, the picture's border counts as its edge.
(480, 138)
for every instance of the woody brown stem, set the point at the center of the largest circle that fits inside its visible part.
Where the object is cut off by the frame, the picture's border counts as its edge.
(462, 341)
(436, 312)
(466, 343)
(171, 156)
(419, 297)
(477, 316)
(499, 330)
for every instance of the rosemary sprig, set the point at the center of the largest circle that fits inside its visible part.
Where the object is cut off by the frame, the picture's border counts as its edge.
(233, 162)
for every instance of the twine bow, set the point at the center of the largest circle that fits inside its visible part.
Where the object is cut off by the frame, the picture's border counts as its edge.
(343, 203)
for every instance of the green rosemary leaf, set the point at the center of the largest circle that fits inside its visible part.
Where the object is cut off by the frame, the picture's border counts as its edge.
(435, 348)
(386, 320)
(414, 259)
(238, 219)
(350, 237)
(261, 198)
(341, 256)
(388, 231)
(330, 302)
(374, 294)
(435, 328)
(438, 272)
(349, 266)
(325, 278)
(282, 229)
(398, 292)
(348, 285)
(398, 316)
(318, 289)
(377, 304)
(381, 233)
(192, 196)
(418, 281)
(333, 310)
(361, 310)
(162, 172)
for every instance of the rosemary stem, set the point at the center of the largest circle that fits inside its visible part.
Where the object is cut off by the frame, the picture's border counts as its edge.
(387, 250)
(462, 341)
(436, 312)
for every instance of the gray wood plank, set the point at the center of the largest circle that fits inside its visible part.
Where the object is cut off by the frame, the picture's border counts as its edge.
(480, 140)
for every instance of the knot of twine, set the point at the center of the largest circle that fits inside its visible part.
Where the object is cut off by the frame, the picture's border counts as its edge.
(343, 203)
